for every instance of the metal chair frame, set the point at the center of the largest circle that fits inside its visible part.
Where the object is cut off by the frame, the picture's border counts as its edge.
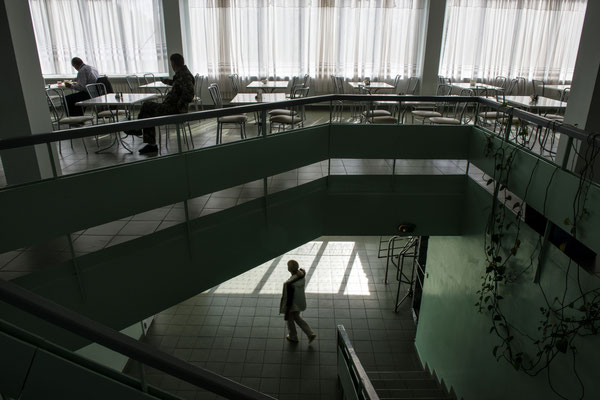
(215, 94)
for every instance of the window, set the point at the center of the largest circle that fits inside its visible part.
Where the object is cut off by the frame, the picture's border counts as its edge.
(535, 39)
(115, 36)
(353, 38)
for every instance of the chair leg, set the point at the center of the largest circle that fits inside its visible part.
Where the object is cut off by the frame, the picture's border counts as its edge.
(159, 142)
(191, 137)
(84, 146)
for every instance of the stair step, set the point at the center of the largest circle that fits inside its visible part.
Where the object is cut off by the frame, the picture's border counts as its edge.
(412, 393)
(404, 383)
(412, 398)
(398, 375)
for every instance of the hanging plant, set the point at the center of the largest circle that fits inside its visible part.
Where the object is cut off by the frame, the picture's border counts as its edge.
(561, 320)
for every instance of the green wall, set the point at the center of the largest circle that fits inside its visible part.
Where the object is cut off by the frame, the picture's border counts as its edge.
(453, 338)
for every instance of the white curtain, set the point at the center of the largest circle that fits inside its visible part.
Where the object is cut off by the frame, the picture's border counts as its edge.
(353, 38)
(534, 39)
(115, 36)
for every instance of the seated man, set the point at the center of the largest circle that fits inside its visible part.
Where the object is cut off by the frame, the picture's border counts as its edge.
(175, 101)
(86, 75)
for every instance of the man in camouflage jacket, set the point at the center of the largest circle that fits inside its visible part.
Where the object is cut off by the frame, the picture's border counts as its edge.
(175, 101)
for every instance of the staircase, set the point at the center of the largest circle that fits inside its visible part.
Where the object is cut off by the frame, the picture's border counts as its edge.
(405, 385)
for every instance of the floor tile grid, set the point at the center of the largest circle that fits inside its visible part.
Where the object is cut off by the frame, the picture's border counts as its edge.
(236, 330)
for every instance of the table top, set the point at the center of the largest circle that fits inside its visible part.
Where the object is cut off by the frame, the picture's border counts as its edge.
(156, 85)
(110, 99)
(249, 98)
(557, 87)
(372, 85)
(268, 85)
(543, 102)
(467, 85)
(57, 86)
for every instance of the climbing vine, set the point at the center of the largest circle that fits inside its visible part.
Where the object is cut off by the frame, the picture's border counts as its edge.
(561, 319)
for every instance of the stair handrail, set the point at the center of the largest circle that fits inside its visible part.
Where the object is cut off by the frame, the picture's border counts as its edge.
(96, 332)
(410, 242)
(362, 384)
(75, 358)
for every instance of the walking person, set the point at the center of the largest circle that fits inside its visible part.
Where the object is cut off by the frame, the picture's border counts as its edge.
(293, 301)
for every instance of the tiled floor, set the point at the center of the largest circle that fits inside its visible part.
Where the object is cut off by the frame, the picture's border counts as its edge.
(235, 328)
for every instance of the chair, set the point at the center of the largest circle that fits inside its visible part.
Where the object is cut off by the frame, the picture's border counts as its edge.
(111, 113)
(238, 119)
(374, 116)
(198, 82)
(456, 117)
(293, 84)
(538, 87)
(438, 108)
(411, 86)
(495, 117)
(368, 108)
(283, 111)
(556, 114)
(396, 83)
(149, 78)
(513, 87)
(500, 81)
(306, 80)
(444, 81)
(296, 114)
(60, 114)
(235, 83)
(133, 83)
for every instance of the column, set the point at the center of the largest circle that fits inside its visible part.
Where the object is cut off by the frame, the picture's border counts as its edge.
(173, 28)
(26, 111)
(584, 99)
(432, 47)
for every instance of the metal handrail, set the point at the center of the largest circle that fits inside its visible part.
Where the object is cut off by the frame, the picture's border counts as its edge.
(82, 361)
(403, 249)
(77, 133)
(105, 336)
(362, 384)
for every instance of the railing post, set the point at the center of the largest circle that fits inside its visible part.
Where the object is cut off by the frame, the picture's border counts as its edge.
(564, 164)
(76, 266)
(508, 126)
(185, 202)
(51, 158)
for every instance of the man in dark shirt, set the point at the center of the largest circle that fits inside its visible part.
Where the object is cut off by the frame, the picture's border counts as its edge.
(175, 101)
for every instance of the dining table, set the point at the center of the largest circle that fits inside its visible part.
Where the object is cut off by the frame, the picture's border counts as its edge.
(560, 88)
(270, 86)
(477, 87)
(117, 100)
(373, 86)
(542, 103)
(252, 98)
(160, 87)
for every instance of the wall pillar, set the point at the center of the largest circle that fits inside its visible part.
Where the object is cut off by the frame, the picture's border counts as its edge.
(430, 56)
(584, 99)
(172, 17)
(26, 110)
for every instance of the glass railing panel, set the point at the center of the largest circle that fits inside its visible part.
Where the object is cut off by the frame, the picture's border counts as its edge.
(357, 166)
(430, 167)
(297, 177)
(33, 258)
